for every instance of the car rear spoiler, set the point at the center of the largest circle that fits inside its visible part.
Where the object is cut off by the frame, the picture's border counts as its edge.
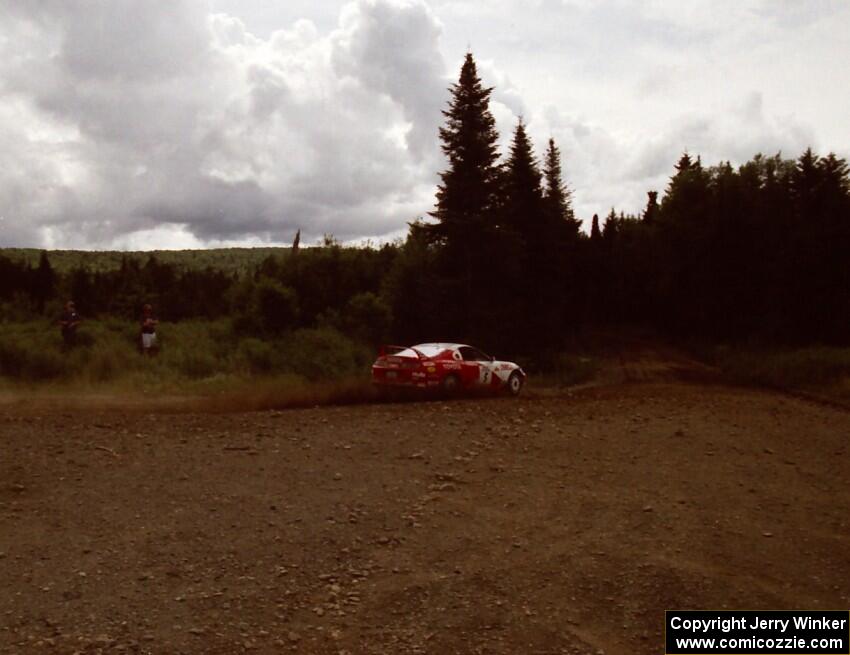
(392, 350)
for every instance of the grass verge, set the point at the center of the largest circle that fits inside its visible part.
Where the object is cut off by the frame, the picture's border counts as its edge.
(820, 370)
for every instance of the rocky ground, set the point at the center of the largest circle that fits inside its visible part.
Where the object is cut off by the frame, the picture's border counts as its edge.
(548, 524)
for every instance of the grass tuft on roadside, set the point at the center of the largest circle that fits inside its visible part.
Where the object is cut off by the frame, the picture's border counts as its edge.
(566, 369)
(819, 369)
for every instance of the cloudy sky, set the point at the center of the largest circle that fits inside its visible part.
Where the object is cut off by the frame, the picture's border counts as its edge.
(191, 123)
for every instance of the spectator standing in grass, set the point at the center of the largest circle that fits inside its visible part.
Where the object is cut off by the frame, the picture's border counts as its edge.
(148, 328)
(68, 324)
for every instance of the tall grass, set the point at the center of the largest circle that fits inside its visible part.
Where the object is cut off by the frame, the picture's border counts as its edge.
(193, 355)
(819, 368)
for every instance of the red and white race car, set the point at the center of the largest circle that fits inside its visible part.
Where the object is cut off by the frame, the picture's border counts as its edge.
(448, 367)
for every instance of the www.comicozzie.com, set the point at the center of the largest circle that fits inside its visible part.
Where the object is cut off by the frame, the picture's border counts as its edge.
(697, 632)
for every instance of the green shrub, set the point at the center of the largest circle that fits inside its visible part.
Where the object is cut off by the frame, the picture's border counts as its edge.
(18, 309)
(45, 365)
(110, 359)
(263, 308)
(322, 354)
(367, 318)
(276, 305)
(190, 351)
(12, 358)
(84, 338)
(25, 359)
(197, 364)
(805, 367)
(257, 356)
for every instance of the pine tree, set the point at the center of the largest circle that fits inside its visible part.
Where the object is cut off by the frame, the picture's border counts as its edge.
(523, 217)
(685, 163)
(836, 173)
(565, 243)
(557, 196)
(43, 282)
(688, 194)
(523, 211)
(466, 231)
(595, 234)
(610, 227)
(469, 139)
(651, 211)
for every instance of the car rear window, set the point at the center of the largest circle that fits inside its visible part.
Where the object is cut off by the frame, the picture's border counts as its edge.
(431, 350)
(407, 352)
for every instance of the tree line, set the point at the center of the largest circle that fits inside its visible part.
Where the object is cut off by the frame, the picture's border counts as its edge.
(757, 252)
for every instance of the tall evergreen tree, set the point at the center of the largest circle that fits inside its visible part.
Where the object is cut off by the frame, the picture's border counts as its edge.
(523, 210)
(610, 227)
(651, 212)
(595, 233)
(685, 162)
(43, 282)
(688, 194)
(557, 197)
(523, 215)
(469, 140)
(564, 227)
(466, 228)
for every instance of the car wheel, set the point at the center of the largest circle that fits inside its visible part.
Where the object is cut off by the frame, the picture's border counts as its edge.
(450, 385)
(515, 383)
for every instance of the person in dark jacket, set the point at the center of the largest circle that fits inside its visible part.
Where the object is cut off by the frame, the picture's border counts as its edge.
(68, 324)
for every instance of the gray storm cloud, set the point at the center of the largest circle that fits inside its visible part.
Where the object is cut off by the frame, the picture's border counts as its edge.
(128, 116)
(187, 123)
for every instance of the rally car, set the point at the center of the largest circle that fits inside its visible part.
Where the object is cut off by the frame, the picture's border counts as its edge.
(446, 367)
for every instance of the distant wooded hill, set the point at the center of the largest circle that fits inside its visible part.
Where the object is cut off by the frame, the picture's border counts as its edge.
(226, 260)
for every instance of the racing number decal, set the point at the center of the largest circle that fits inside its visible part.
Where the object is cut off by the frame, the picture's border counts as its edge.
(484, 374)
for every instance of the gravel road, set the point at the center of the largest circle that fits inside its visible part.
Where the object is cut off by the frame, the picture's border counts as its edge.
(555, 524)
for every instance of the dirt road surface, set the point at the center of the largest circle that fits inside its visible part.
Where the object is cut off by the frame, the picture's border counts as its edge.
(549, 524)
